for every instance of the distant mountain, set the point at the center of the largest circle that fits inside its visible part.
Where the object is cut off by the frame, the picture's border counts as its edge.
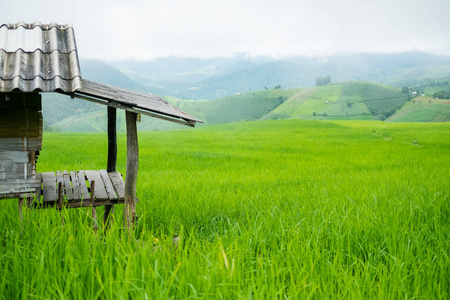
(195, 78)
(173, 67)
(98, 70)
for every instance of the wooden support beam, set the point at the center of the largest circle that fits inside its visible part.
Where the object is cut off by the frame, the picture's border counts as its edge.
(94, 212)
(108, 217)
(60, 199)
(112, 158)
(132, 170)
(112, 139)
(60, 195)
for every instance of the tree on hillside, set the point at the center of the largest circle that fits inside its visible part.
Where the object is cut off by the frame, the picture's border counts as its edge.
(441, 95)
(323, 80)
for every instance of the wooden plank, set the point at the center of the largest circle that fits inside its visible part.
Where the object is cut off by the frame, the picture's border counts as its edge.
(78, 204)
(20, 100)
(84, 193)
(16, 195)
(20, 144)
(59, 178)
(60, 188)
(108, 185)
(49, 187)
(68, 186)
(31, 182)
(14, 156)
(12, 171)
(100, 191)
(118, 184)
(75, 186)
(18, 123)
(17, 188)
(11, 167)
(60, 194)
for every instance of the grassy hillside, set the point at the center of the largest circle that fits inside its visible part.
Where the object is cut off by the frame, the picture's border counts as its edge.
(249, 106)
(348, 100)
(340, 101)
(285, 209)
(423, 109)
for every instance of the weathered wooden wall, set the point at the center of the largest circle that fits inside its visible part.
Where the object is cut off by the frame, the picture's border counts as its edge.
(20, 142)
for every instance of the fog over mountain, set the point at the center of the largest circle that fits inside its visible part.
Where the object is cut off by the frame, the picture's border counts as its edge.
(141, 30)
(195, 78)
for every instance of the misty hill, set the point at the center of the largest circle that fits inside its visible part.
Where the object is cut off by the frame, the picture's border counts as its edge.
(195, 78)
(189, 68)
(340, 101)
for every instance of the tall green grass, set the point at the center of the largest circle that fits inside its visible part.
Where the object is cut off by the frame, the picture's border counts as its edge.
(272, 209)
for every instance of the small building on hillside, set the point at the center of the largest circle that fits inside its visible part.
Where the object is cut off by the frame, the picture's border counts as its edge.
(39, 58)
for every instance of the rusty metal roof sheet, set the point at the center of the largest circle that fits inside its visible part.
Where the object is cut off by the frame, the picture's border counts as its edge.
(134, 101)
(38, 57)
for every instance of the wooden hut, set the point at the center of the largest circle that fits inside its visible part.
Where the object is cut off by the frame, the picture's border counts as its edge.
(38, 58)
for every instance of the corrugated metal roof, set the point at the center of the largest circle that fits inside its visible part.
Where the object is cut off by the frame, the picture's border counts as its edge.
(40, 57)
(143, 102)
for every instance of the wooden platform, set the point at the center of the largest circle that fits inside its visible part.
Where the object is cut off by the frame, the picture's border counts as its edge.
(109, 188)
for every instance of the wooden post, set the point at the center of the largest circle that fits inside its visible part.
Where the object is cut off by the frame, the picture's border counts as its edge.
(132, 170)
(112, 139)
(60, 200)
(112, 158)
(108, 217)
(94, 212)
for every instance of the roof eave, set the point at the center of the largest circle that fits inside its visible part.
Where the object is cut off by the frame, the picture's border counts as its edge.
(126, 106)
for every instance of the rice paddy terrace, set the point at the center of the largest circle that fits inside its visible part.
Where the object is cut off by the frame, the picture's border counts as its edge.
(271, 209)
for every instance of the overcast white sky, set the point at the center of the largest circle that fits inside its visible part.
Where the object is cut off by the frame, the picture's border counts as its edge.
(139, 29)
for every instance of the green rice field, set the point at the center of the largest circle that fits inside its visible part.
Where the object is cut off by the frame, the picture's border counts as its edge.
(276, 209)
